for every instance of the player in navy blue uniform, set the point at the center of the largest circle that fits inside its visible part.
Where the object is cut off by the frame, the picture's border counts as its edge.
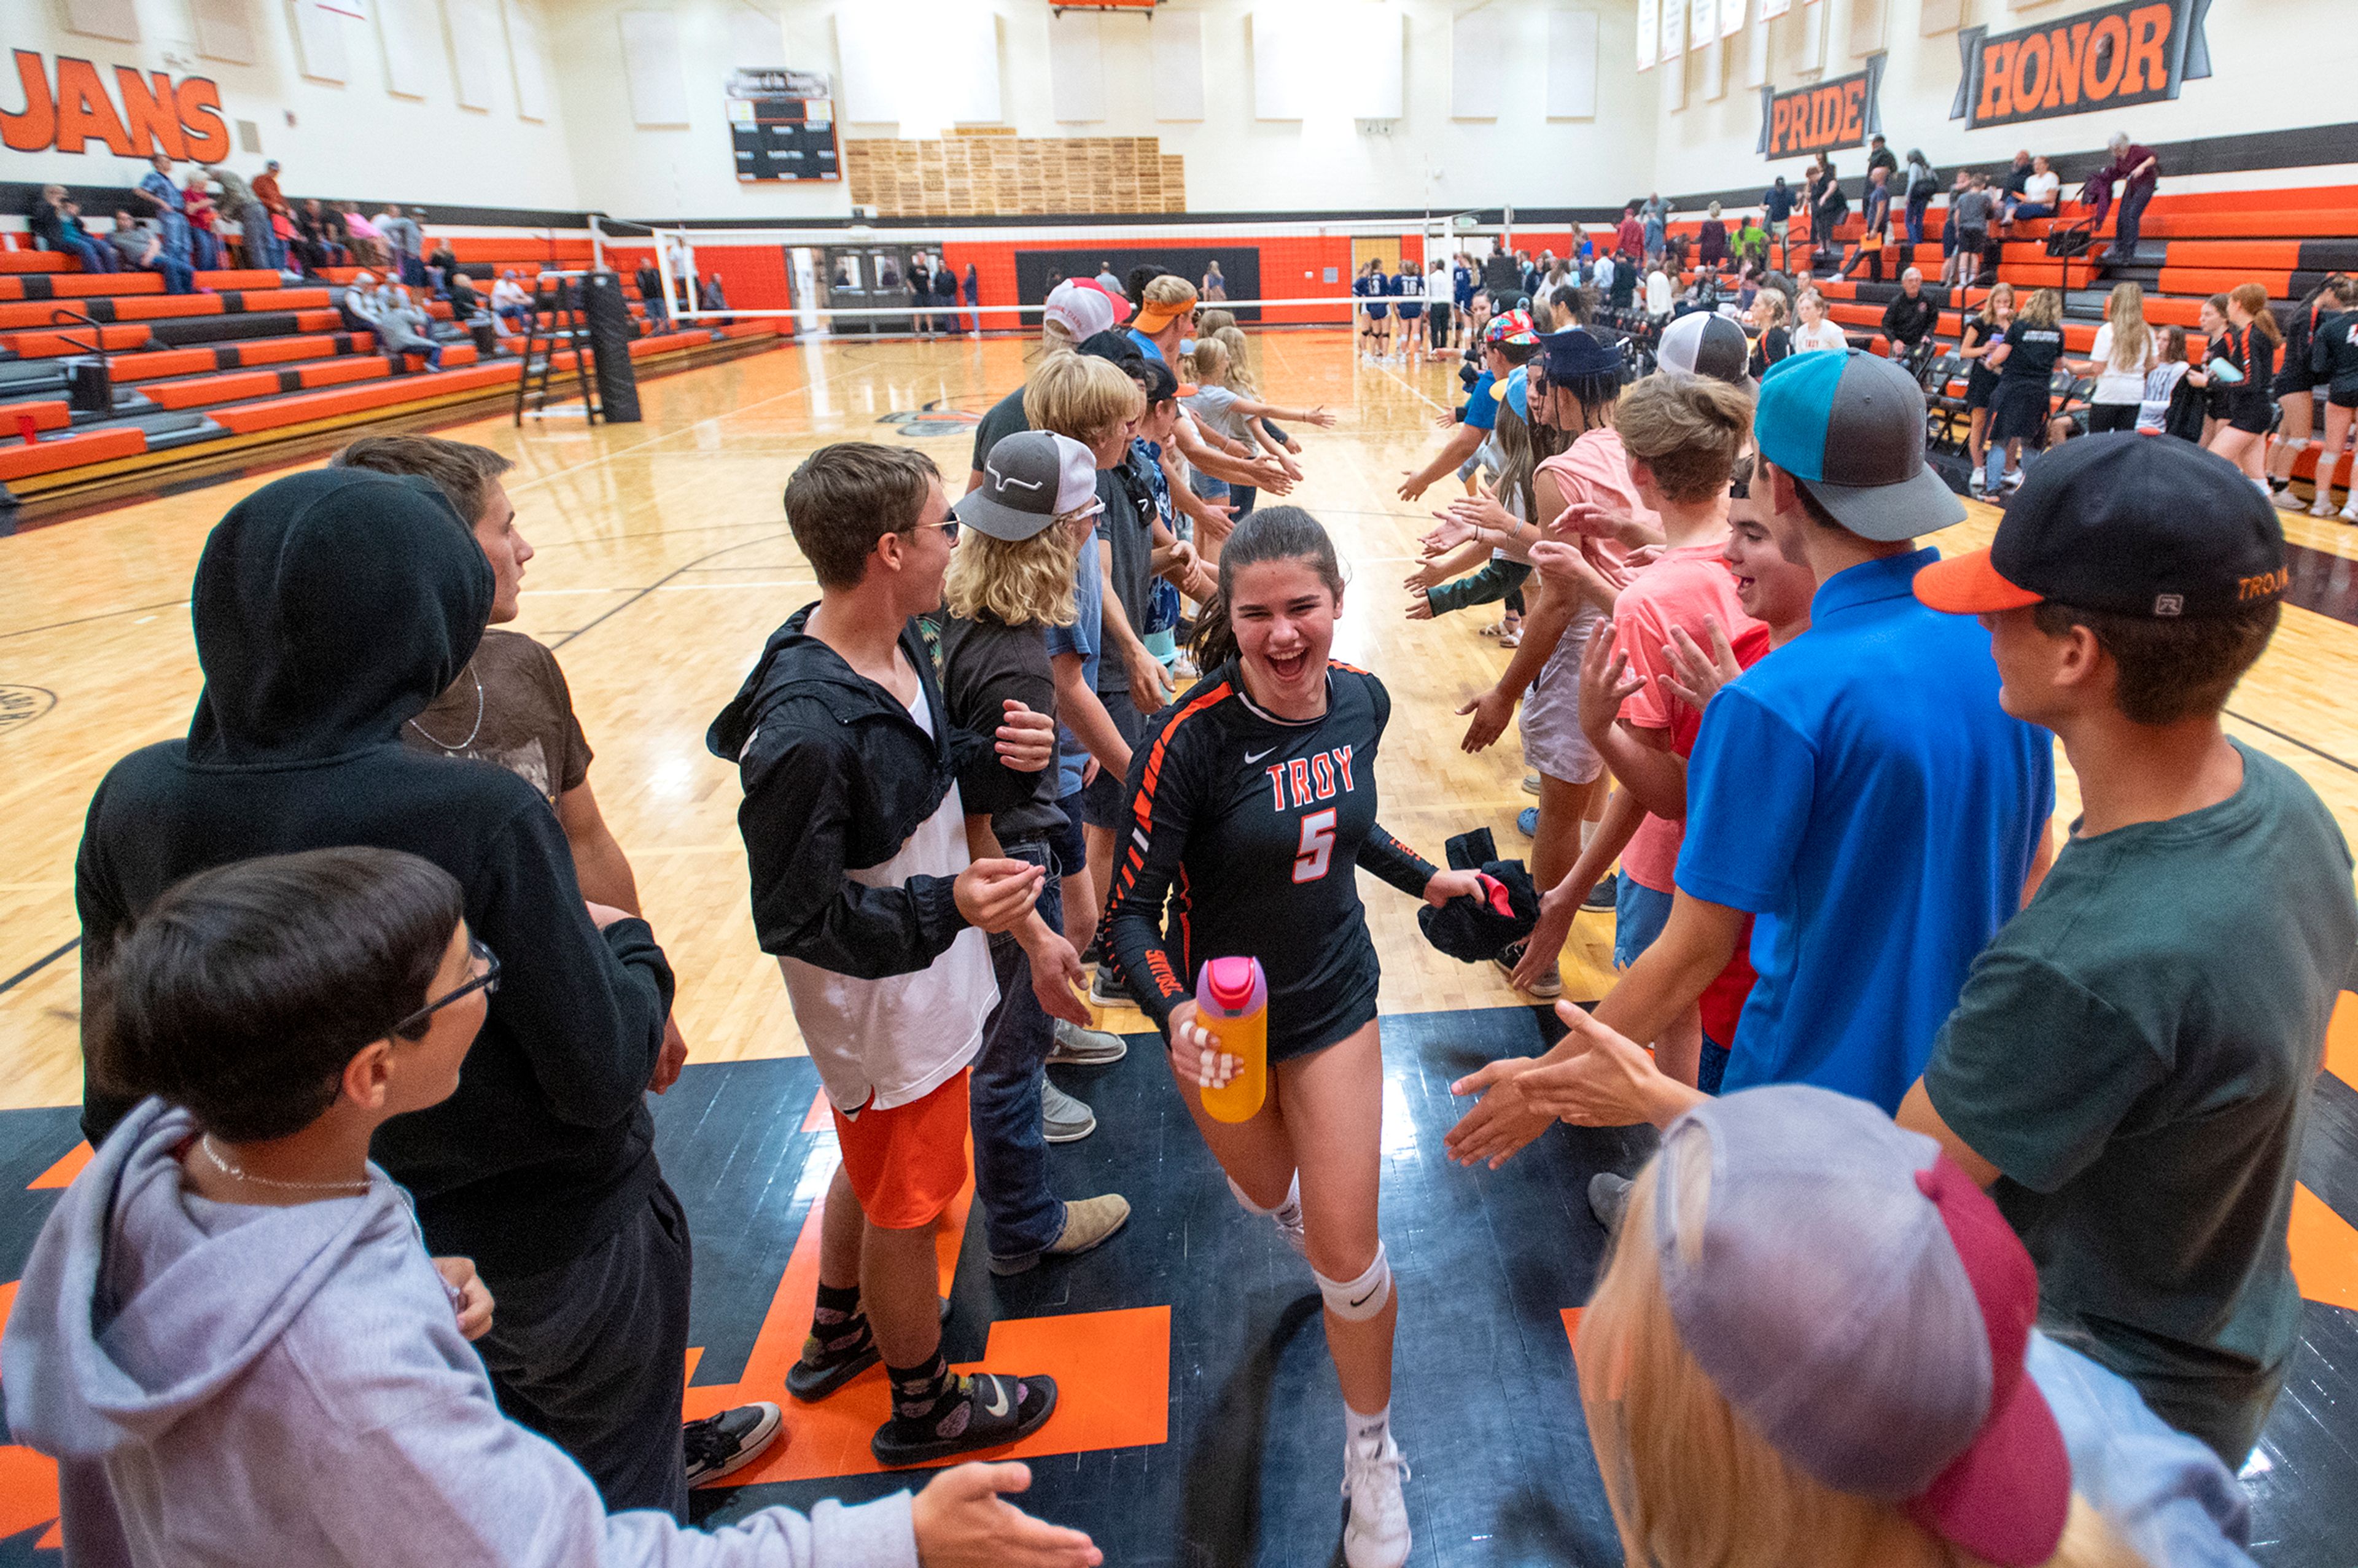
(1251, 800)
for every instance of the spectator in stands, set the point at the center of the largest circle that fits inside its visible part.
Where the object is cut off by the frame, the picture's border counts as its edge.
(57, 224)
(158, 189)
(359, 302)
(1628, 238)
(257, 246)
(2042, 193)
(407, 241)
(1816, 334)
(205, 249)
(1829, 205)
(142, 250)
(650, 284)
(1108, 279)
(2124, 354)
(1908, 319)
(366, 244)
(1751, 248)
(1776, 207)
(442, 265)
(1659, 296)
(466, 305)
(1711, 241)
(1878, 204)
(1737, 1417)
(403, 328)
(710, 295)
(1920, 185)
(1971, 211)
(511, 305)
(2137, 170)
(317, 242)
(1771, 339)
(1657, 214)
(1880, 155)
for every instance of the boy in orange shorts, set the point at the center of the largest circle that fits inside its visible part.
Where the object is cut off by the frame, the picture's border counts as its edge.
(856, 789)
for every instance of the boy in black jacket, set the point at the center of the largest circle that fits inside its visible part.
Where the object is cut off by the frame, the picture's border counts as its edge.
(329, 608)
(857, 787)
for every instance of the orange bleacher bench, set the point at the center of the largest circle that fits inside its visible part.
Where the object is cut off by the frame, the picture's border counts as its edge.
(71, 452)
(35, 261)
(47, 414)
(304, 407)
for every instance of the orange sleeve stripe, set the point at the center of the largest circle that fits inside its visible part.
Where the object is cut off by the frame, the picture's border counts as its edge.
(1152, 772)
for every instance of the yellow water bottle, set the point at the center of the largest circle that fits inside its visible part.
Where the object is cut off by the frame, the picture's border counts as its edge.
(1232, 1001)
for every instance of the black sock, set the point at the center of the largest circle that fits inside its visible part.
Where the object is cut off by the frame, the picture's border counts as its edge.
(839, 1328)
(921, 1394)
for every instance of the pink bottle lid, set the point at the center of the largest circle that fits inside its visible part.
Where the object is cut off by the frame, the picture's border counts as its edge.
(1233, 986)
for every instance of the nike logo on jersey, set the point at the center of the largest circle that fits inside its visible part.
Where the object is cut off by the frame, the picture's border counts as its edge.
(1251, 757)
(1308, 779)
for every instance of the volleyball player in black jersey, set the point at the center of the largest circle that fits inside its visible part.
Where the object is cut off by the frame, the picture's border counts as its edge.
(1251, 800)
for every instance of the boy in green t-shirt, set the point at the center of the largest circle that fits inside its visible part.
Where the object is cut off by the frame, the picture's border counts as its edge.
(2130, 1065)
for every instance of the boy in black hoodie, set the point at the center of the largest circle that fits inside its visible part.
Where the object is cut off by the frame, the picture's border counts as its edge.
(857, 787)
(329, 607)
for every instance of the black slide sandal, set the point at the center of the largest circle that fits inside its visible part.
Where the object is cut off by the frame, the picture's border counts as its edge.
(812, 1382)
(999, 1410)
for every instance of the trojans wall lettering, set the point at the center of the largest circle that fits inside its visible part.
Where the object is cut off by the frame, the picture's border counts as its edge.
(135, 114)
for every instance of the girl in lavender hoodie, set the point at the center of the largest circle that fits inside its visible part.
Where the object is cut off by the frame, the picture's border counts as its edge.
(229, 1334)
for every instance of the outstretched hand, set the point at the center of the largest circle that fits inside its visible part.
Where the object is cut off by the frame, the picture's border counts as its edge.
(961, 1522)
(1490, 712)
(1501, 1122)
(1605, 681)
(1695, 676)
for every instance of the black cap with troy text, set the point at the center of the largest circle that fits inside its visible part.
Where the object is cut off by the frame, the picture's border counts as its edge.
(2145, 526)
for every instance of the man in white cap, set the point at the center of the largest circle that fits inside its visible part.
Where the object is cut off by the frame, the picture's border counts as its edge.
(1076, 310)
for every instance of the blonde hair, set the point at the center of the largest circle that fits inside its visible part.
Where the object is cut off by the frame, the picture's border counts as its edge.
(2043, 308)
(2132, 339)
(1168, 292)
(1016, 582)
(1241, 380)
(1688, 429)
(1208, 365)
(1212, 319)
(1689, 1481)
(2001, 286)
(1773, 300)
(1082, 396)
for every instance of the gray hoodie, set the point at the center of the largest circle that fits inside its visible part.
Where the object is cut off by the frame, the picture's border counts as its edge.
(225, 1384)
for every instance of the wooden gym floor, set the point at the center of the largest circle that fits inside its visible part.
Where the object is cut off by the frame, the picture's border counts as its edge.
(664, 561)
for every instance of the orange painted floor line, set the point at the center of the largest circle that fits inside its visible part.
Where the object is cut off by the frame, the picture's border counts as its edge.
(62, 1174)
(2324, 1251)
(2341, 1040)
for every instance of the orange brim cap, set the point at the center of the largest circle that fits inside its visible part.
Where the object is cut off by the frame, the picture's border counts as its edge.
(1970, 585)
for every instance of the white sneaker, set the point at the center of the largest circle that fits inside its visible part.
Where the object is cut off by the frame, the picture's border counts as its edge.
(2350, 513)
(2014, 478)
(1288, 1224)
(1377, 1533)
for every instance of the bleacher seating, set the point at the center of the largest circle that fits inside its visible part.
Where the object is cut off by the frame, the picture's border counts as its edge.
(251, 355)
(2191, 246)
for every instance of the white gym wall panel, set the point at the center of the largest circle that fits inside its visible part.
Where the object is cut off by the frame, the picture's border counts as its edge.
(1175, 66)
(1572, 65)
(319, 41)
(404, 32)
(224, 30)
(756, 39)
(1284, 51)
(1076, 67)
(651, 63)
(529, 51)
(1377, 51)
(95, 18)
(1477, 53)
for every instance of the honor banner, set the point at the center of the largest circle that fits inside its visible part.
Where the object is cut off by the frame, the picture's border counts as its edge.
(1842, 112)
(2138, 51)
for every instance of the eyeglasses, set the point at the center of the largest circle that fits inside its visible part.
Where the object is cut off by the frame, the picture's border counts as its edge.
(486, 982)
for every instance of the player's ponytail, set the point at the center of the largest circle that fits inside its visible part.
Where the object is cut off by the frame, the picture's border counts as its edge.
(1268, 533)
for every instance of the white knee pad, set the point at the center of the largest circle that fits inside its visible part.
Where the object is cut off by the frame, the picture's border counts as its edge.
(1244, 1199)
(1356, 1300)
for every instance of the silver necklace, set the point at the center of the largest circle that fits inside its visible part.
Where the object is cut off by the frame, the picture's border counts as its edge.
(238, 1173)
(478, 729)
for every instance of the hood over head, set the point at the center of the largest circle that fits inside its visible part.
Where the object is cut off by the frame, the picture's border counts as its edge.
(330, 607)
(132, 1312)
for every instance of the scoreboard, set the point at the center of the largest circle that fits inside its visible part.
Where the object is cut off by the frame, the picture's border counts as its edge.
(782, 125)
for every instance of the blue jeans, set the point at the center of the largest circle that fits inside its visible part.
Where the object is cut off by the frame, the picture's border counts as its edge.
(1916, 206)
(94, 257)
(1994, 466)
(1022, 1217)
(179, 277)
(1638, 915)
(2132, 203)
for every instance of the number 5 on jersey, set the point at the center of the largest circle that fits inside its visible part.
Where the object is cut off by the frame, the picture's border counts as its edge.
(1318, 845)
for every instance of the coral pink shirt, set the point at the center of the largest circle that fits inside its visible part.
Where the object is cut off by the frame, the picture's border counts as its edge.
(1678, 589)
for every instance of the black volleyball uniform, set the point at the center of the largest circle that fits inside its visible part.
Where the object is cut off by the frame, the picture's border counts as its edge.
(2333, 357)
(2295, 376)
(2018, 408)
(2251, 406)
(2219, 396)
(1980, 381)
(1251, 826)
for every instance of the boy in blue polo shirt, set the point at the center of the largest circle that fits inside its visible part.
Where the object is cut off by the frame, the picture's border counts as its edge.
(1859, 790)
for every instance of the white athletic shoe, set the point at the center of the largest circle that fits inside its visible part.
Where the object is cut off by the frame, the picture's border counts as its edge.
(1288, 1224)
(1377, 1533)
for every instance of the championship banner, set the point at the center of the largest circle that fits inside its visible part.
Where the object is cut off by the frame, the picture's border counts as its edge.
(1839, 114)
(2136, 51)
